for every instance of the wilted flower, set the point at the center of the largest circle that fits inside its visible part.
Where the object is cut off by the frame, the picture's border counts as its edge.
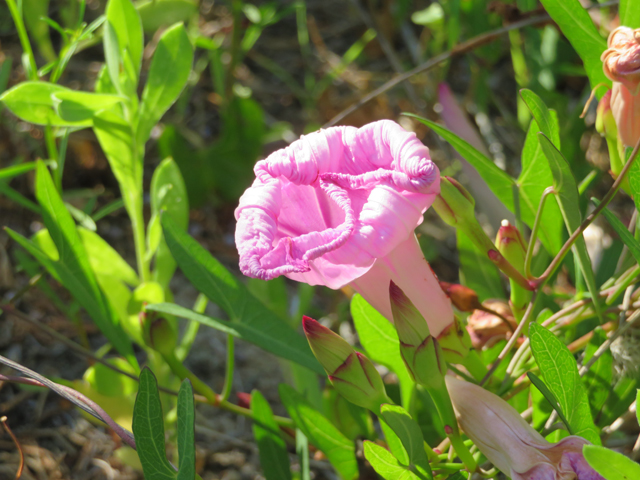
(493, 322)
(339, 207)
(621, 63)
(510, 443)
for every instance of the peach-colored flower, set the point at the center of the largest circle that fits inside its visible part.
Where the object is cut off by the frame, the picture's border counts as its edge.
(621, 64)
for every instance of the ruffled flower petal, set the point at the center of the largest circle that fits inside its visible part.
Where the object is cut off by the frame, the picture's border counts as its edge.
(325, 208)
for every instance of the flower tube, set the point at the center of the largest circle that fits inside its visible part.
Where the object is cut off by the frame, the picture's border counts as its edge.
(510, 443)
(338, 207)
(621, 64)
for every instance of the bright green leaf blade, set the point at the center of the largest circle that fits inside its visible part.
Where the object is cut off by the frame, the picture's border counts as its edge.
(629, 11)
(148, 430)
(533, 180)
(271, 447)
(273, 335)
(168, 197)
(160, 13)
(33, 102)
(321, 433)
(560, 372)
(74, 106)
(186, 432)
(124, 19)
(623, 232)
(15, 170)
(577, 26)
(545, 120)
(168, 75)
(116, 139)
(385, 464)
(73, 267)
(380, 340)
(569, 201)
(249, 317)
(477, 271)
(610, 464)
(409, 433)
(550, 397)
(105, 260)
(394, 444)
(637, 404)
(499, 181)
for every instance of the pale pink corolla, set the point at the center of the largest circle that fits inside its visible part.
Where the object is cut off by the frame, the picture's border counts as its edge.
(339, 207)
(621, 64)
(510, 443)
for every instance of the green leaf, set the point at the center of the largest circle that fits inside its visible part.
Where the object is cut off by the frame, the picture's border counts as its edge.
(186, 432)
(544, 118)
(599, 377)
(74, 106)
(16, 170)
(116, 139)
(73, 269)
(576, 24)
(249, 318)
(560, 372)
(610, 464)
(168, 197)
(321, 433)
(380, 340)
(566, 189)
(385, 464)
(498, 180)
(533, 181)
(634, 182)
(273, 451)
(105, 260)
(629, 11)
(159, 13)
(623, 232)
(148, 430)
(127, 28)
(477, 271)
(550, 397)
(168, 75)
(34, 102)
(569, 201)
(408, 431)
(259, 327)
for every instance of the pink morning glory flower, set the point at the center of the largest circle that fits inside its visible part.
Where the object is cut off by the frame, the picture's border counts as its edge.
(338, 207)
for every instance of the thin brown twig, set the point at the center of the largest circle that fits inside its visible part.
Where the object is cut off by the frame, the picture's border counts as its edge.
(512, 341)
(555, 263)
(3, 420)
(11, 310)
(464, 47)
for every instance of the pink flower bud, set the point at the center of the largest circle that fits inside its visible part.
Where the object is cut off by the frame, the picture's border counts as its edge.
(510, 443)
(621, 64)
(338, 207)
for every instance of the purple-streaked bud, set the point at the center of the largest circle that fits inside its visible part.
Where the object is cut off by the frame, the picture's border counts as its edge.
(352, 374)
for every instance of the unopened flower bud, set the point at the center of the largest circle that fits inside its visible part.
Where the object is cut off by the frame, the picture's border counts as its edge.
(160, 336)
(510, 443)
(352, 374)
(463, 298)
(420, 351)
(605, 123)
(454, 204)
(513, 247)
